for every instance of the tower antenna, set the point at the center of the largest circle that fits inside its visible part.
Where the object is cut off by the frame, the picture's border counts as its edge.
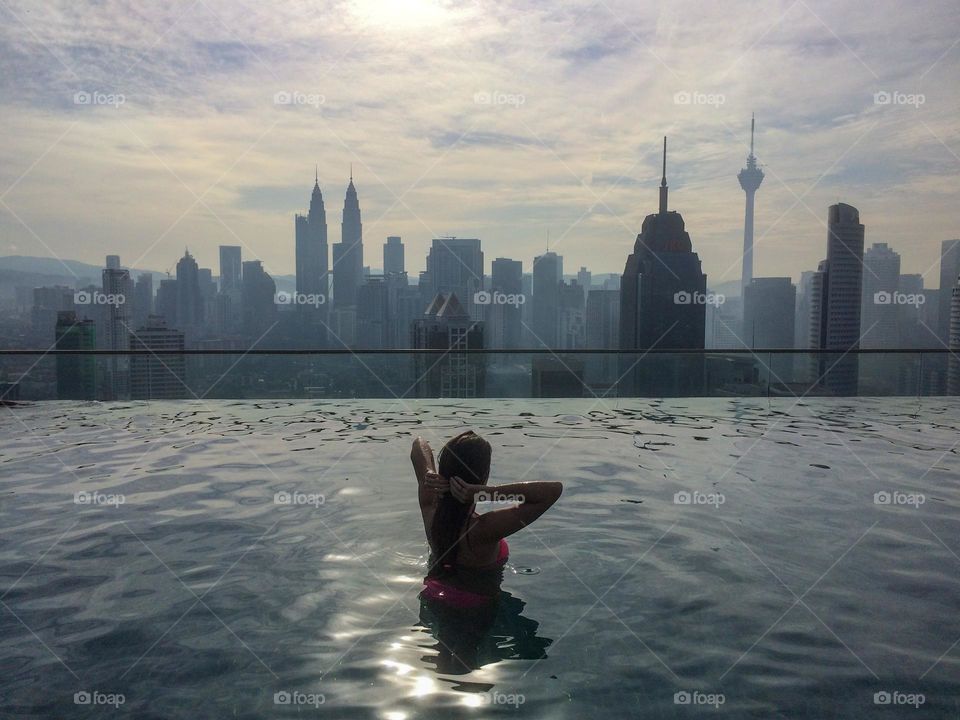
(751, 134)
(663, 180)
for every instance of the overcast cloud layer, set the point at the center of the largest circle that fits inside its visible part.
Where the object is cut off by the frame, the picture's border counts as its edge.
(503, 120)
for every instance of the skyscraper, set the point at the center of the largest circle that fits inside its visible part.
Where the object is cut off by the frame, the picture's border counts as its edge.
(312, 268)
(189, 300)
(142, 299)
(750, 178)
(949, 270)
(393, 255)
(953, 372)
(118, 293)
(879, 312)
(769, 307)
(835, 302)
(348, 253)
(504, 318)
(455, 265)
(154, 374)
(259, 309)
(446, 325)
(547, 277)
(663, 302)
(76, 374)
(230, 259)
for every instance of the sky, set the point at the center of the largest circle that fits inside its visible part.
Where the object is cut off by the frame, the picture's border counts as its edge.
(142, 128)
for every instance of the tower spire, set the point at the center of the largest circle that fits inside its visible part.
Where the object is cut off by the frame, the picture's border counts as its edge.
(316, 174)
(663, 180)
(751, 134)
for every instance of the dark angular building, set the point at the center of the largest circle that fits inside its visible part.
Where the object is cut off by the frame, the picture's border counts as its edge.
(446, 325)
(76, 374)
(662, 305)
(312, 269)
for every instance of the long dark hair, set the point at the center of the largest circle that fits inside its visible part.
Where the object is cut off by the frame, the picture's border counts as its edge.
(466, 456)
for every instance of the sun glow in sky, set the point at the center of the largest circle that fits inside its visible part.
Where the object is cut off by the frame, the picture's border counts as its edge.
(140, 128)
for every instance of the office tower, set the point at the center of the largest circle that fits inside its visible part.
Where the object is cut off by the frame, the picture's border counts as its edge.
(446, 325)
(142, 299)
(585, 280)
(835, 302)
(455, 265)
(801, 335)
(348, 253)
(724, 324)
(313, 270)
(166, 301)
(547, 277)
(602, 319)
(230, 268)
(393, 255)
(880, 307)
(750, 178)
(953, 375)
(662, 304)
(949, 269)
(189, 306)
(769, 308)
(571, 330)
(76, 374)
(117, 300)
(373, 320)
(48, 302)
(257, 300)
(113, 262)
(505, 310)
(155, 374)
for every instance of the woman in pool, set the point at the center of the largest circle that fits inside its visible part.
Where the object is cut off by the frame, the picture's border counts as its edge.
(468, 550)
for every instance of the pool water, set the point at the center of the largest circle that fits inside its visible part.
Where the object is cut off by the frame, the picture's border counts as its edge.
(727, 557)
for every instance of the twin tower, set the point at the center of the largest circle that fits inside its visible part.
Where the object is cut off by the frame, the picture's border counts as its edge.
(313, 268)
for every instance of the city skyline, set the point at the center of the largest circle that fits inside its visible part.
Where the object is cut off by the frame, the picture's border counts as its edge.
(497, 135)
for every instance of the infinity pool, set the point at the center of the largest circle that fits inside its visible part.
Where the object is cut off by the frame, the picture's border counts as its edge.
(735, 558)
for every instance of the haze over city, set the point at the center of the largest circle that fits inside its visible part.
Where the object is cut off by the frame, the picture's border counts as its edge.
(143, 129)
